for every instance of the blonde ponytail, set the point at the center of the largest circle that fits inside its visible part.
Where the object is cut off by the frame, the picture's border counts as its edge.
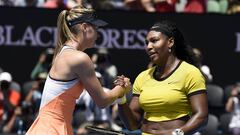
(64, 33)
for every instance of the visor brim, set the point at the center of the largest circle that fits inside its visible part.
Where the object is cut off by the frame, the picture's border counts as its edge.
(99, 23)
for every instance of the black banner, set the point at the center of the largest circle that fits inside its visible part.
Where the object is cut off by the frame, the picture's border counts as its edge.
(26, 32)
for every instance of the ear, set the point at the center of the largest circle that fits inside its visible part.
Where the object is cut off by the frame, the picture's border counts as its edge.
(84, 27)
(171, 42)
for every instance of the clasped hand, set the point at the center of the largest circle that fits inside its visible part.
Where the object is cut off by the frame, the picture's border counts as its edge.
(123, 82)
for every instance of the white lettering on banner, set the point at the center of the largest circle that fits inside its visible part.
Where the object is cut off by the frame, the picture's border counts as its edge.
(1, 35)
(104, 38)
(9, 36)
(29, 37)
(238, 42)
(39, 33)
(128, 37)
(113, 36)
(125, 39)
(45, 36)
(141, 35)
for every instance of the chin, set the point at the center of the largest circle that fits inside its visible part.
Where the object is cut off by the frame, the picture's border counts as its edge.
(154, 60)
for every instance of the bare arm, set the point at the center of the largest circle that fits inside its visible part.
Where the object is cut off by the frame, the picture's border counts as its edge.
(200, 113)
(131, 114)
(229, 105)
(29, 96)
(85, 70)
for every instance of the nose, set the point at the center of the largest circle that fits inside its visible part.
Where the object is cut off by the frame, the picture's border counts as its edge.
(148, 47)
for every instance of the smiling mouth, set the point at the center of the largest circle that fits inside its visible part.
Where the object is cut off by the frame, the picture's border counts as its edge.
(151, 54)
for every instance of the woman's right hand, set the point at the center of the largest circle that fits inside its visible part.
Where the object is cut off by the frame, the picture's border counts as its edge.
(123, 82)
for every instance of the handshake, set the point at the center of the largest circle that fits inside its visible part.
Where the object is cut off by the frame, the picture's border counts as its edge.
(125, 83)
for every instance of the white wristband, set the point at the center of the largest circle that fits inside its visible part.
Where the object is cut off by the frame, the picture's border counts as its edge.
(177, 132)
(121, 100)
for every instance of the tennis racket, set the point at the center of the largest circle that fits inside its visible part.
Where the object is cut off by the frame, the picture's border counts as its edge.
(102, 131)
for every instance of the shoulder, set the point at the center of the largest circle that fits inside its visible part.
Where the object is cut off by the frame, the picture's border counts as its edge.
(145, 75)
(81, 63)
(72, 60)
(147, 72)
(82, 57)
(77, 58)
(190, 69)
(191, 73)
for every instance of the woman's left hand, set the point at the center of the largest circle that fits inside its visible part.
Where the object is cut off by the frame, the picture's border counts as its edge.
(123, 82)
(119, 81)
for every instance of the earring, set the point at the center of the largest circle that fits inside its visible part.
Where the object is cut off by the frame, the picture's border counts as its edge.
(169, 50)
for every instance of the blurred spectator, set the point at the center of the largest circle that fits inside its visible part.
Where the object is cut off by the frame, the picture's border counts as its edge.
(55, 4)
(9, 100)
(159, 5)
(108, 4)
(195, 6)
(43, 65)
(203, 68)
(102, 4)
(31, 103)
(180, 5)
(217, 6)
(72, 3)
(105, 67)
(33, 98)
(133, 4)
(32, 90)
(32, 94)
(118, 4)
(7, 2)
(234, 7)
(14, 85)
(38, 75)
(233, 106)
(35, 92)
(29, 3)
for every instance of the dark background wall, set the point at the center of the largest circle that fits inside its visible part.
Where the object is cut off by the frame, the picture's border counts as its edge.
(214, 34)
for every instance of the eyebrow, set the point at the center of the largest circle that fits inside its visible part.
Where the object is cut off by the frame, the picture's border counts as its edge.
(153, 37)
